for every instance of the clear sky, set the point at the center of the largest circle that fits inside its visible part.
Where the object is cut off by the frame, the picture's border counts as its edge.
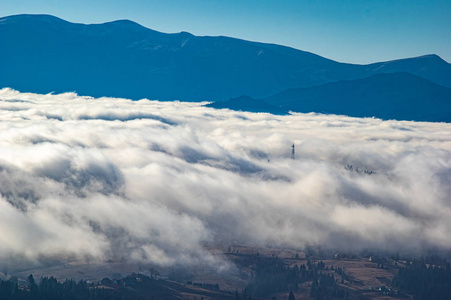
(347, 31)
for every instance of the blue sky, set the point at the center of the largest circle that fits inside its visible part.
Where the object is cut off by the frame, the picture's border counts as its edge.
(347, 31)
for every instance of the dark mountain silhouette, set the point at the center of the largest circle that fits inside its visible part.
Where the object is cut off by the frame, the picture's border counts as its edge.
(400, 96)
(42, 53)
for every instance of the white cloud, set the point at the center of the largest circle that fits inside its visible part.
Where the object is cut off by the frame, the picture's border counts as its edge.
(157, 181)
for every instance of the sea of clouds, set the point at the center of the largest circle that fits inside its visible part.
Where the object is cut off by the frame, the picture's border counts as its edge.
(161, 182)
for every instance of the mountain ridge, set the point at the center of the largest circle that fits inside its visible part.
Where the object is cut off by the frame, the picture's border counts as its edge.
(124, 59)
(47, 17)
(400, 96)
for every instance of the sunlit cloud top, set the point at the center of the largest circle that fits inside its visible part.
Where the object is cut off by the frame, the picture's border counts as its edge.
(158, 181)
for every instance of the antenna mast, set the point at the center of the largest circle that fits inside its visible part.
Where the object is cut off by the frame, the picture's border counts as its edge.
(292, 151)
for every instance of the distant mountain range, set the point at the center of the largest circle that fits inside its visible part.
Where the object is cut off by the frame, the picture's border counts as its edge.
(401, 96)
(42, 53)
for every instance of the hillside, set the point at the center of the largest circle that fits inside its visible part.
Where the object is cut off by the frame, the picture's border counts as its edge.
(400, 96)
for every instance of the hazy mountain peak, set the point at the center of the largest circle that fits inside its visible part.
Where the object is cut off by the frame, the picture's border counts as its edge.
(433, 57)
(43, 22)
(185, 33)
(35, 17)
(27, 18)
(123, 25)
(428, 58)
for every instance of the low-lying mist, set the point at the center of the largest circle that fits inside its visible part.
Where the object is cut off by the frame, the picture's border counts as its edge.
(161, 182)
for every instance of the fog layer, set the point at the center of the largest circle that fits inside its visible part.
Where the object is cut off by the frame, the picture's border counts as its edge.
(161, 182)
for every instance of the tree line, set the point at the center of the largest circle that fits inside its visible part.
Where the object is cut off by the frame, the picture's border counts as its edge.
(425, 280)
